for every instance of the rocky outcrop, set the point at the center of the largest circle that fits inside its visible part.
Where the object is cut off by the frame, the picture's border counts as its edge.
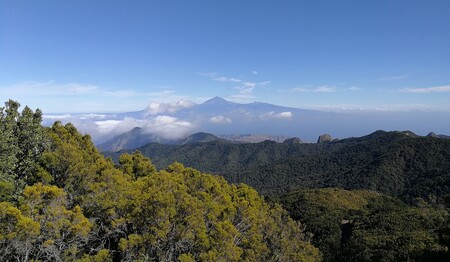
(325, 138)
(293, 140)
(432, 134)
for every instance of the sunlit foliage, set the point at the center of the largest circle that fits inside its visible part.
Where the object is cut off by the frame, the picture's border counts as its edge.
(63, 201)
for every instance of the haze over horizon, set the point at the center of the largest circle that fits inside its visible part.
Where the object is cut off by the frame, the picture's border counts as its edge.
(112, 56)
(169, 122)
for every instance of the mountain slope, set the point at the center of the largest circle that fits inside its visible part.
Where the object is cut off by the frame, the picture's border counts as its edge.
(138, 137)
(200, 137)
(392, 163)
(361, 225)
(396, 163)
(133, 139)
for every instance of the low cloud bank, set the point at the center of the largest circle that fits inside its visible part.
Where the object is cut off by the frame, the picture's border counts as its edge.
(273, 115)
(168, 127)
(220, 120)
(164, 126)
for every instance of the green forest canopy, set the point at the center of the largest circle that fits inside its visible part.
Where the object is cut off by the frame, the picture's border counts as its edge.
(62, 200)
(399, 164)
(362, 225)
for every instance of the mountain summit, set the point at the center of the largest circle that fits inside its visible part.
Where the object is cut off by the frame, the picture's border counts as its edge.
(217, 101)
(176, 120)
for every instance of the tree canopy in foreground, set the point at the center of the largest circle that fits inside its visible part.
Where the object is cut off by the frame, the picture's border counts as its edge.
(61, 200)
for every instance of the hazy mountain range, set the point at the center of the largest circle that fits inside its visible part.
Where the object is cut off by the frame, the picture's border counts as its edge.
(169, 122)
(138, 137)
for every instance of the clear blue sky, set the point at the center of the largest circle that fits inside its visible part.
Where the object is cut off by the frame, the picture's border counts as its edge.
(103, 56)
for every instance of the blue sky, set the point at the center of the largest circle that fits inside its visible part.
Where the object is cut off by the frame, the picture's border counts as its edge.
(115, 56)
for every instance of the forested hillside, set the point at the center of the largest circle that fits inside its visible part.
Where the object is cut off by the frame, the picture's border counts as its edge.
(61, 200)
(395, 163)
(399, 164)
(362, 225)
(396, 208)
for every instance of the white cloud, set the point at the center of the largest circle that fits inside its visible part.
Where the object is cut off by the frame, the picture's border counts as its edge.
(107, 125)
(324, 89)
(249, 84)
(169, 127)
(57, 97)
(248, 87)
(102, 127)
(273, 115)
(319, 89)
(155, 108)
(52, 88)
(56, 117)
(364, 108)
(434, 89)
(244, 87)
(254, 72)
(300, 89)
(284, 115)
(49, 88)
(165, 120)
(94, 116)
(255, 84)
(227, 79)
(220, 120)
(99, 130)
(263, 83)
(406, 107)
(113, 127)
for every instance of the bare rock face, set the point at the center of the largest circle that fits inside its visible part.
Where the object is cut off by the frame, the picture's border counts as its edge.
(293, 140)
(325, 138)
(432, 134)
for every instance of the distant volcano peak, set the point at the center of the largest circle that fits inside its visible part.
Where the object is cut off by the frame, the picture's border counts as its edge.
(217, 101)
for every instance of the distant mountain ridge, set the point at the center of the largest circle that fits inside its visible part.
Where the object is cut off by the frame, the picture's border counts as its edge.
(137, 137)
(396, 163)
(253, 138)
(200, 137)
(432, 134)
(165, 122)
(230, 120)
